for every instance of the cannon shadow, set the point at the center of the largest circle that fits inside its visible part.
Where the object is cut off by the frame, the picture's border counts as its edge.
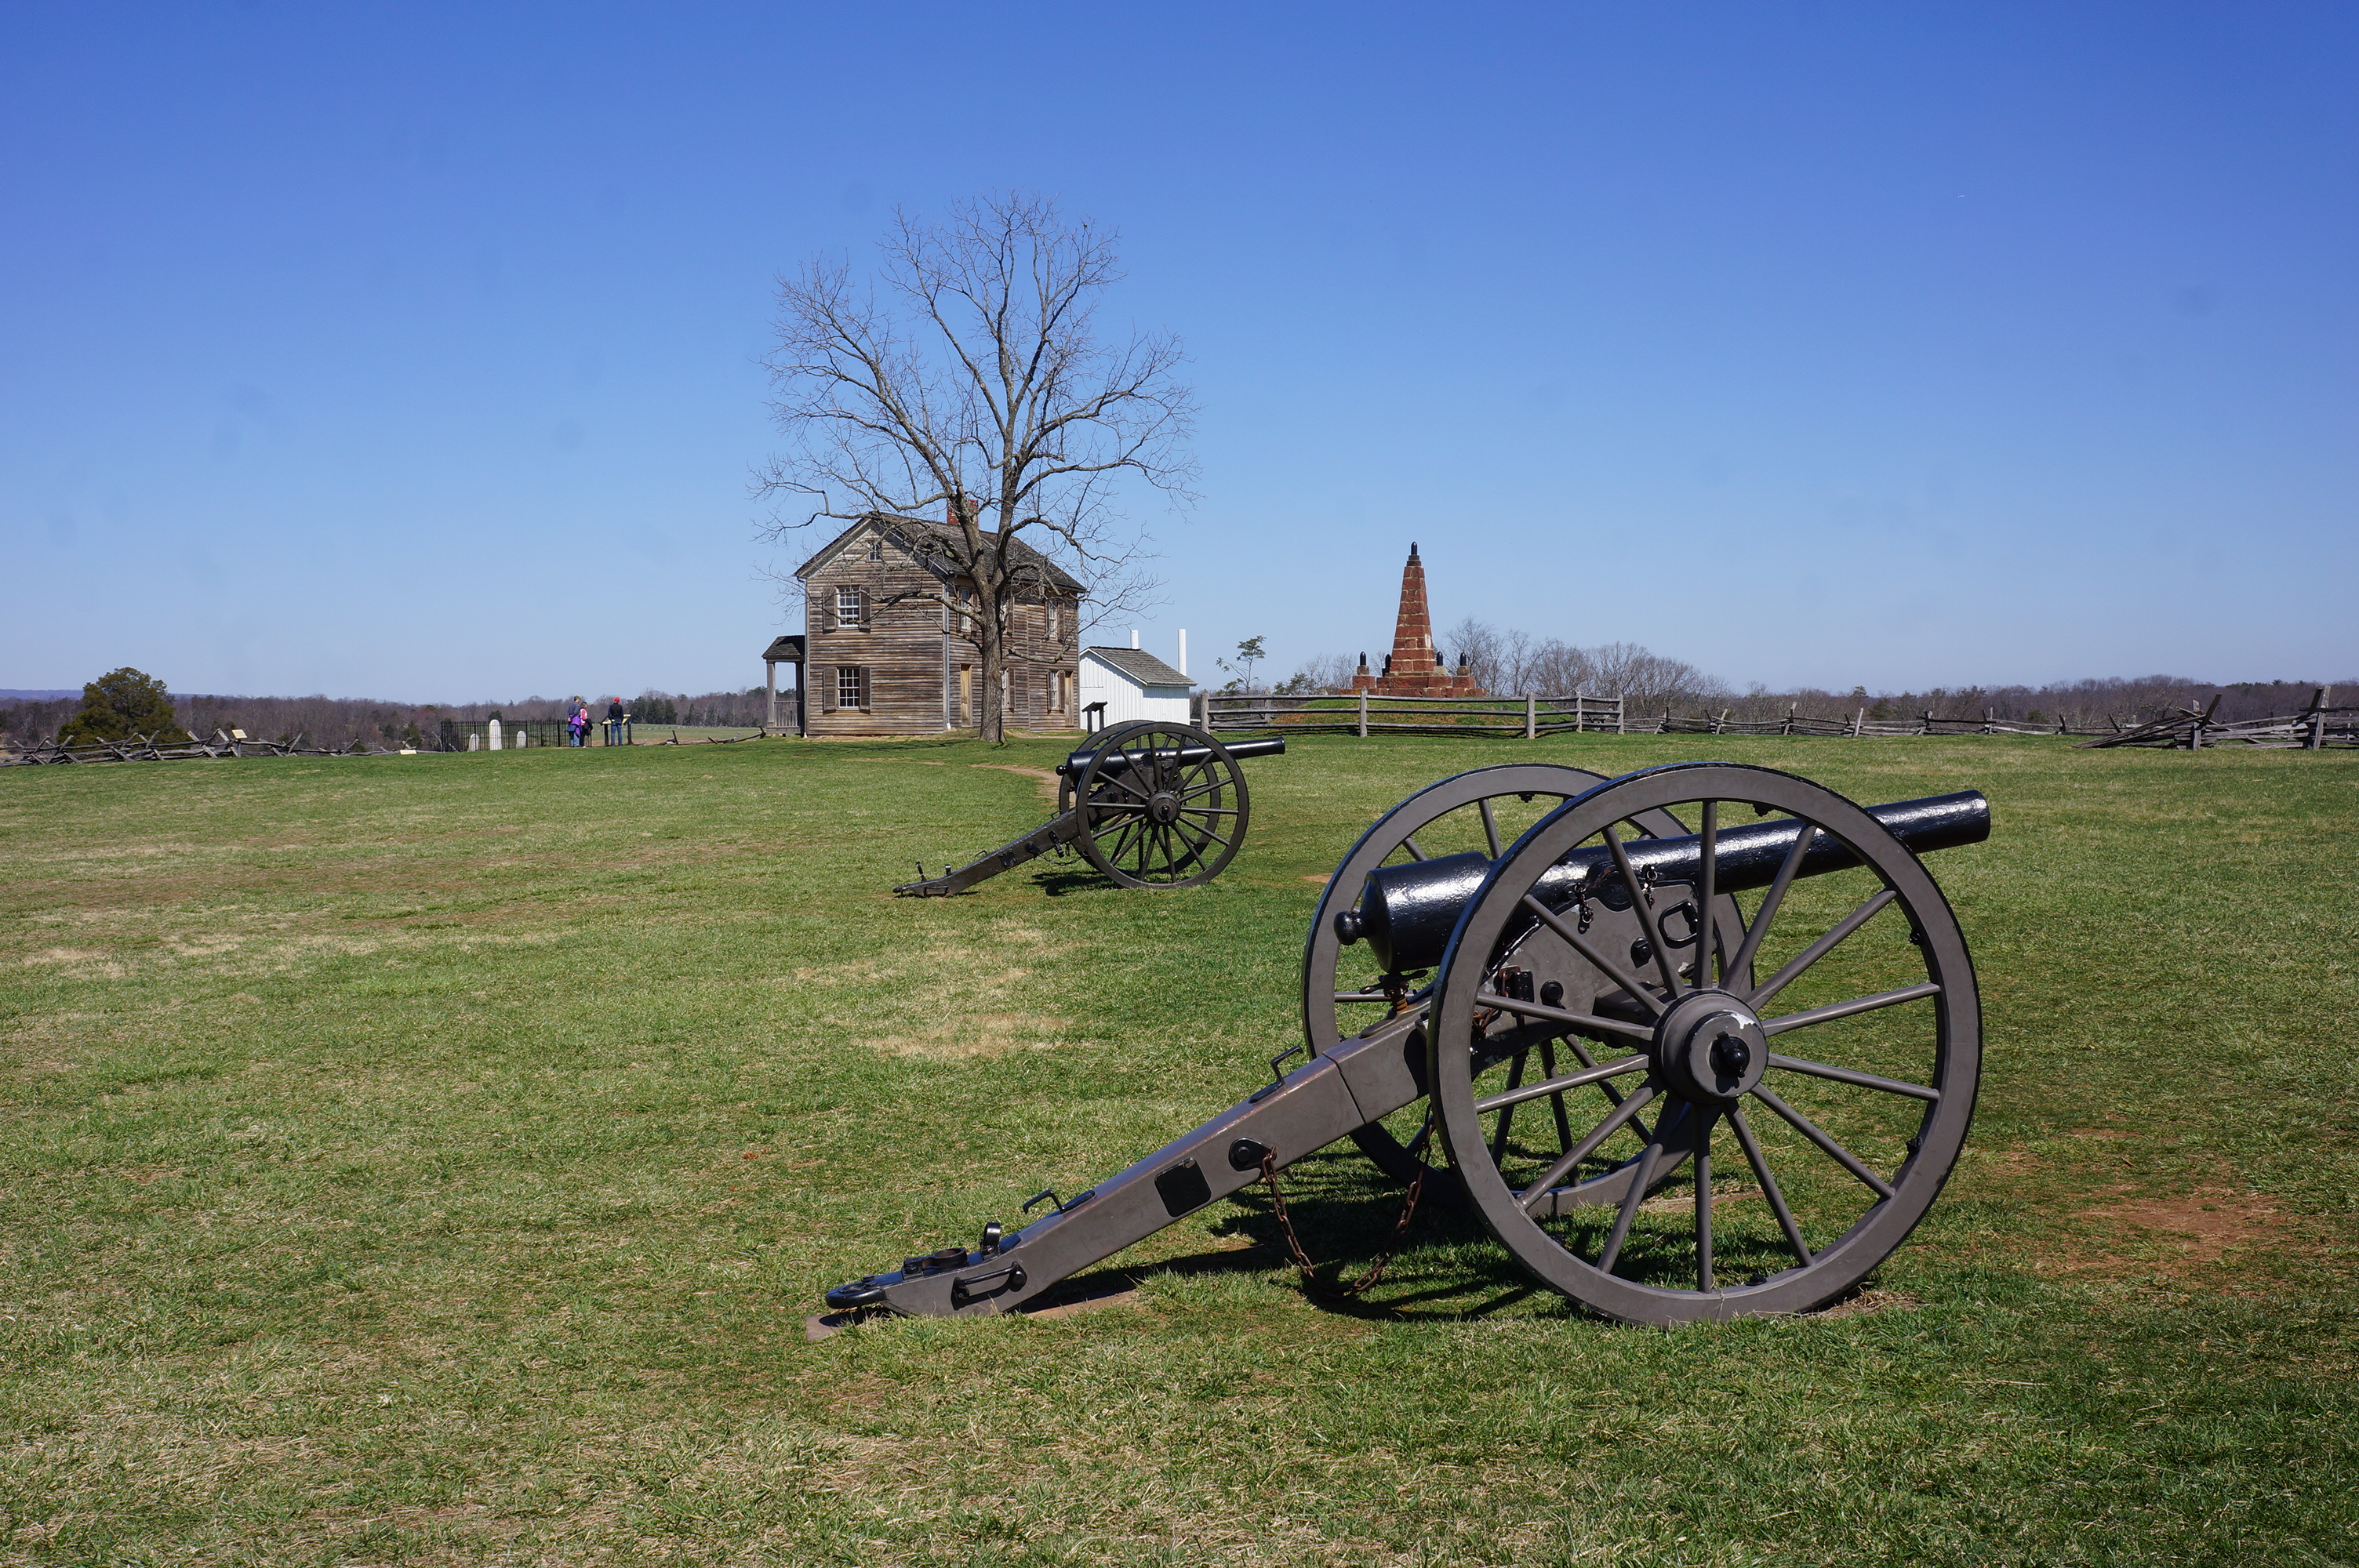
(1344, 1212)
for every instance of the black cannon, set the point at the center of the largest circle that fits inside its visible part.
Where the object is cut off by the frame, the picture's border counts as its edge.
(1150, 806)
(1601, 971)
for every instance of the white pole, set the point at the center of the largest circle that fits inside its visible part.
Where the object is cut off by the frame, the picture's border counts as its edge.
(1183, 650)
(1134, 636)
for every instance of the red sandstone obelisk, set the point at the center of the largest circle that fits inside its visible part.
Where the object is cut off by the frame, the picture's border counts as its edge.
(1414, 669)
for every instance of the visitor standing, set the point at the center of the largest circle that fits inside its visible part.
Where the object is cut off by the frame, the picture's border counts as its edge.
(614, 720)
(577, 722)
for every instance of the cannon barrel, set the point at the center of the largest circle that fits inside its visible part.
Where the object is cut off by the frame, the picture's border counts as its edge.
(1405, 914)
(1073, 766)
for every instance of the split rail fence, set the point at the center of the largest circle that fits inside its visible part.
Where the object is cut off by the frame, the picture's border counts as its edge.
(149, 748)
(2316, 727)
(1358, 713)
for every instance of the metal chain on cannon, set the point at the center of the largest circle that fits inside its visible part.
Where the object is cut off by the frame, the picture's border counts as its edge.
(1302, 1263)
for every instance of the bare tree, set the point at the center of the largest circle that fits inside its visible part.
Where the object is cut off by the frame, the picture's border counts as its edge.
(967, 380)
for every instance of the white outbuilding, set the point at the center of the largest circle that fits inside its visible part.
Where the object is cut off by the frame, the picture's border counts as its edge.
(1119, 685)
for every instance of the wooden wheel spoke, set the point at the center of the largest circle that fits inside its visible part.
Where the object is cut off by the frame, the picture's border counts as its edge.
(1121, 781)
(1588, 1021)
(1832, 1150)
(1597, 956)
(1589, 1144)
(1769, 1188)
(1506, 1104)
(1640, 1180)
(1820, 948)
(1645, 910)
(1122, 832)
(1855, 1078)
(1203, 836)
(1703, 1198)
(1548, 1070)
(1613, 1095)
(1709, 859)
(1856, 1005)
(1516, 1094)
(1787, 868)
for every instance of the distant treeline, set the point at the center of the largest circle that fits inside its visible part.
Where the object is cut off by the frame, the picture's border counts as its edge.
(1514, 664)
(340, 720)
(2081, 705)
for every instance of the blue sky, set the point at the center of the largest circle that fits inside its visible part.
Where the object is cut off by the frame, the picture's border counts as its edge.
(411, 351)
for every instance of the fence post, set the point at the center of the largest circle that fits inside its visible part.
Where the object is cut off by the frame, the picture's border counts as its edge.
(1788, 729)
(1620, 712)
(1858, 720)
(2317, 721)
(1364, 716)
(1531, 717)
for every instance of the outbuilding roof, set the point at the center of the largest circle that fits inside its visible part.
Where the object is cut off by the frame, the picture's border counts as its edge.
(917, 532)
(1140, 665)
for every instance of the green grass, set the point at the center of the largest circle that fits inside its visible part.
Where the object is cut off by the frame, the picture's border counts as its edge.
(432, 1159)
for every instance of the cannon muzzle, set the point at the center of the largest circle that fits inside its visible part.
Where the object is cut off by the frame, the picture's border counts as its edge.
(1405, 914)
(1073, 766)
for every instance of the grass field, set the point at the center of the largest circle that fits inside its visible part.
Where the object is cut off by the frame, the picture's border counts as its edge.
(433, 1159)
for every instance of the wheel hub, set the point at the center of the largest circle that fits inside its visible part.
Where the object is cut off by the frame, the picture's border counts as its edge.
(1711, 1047)
(1163, 808)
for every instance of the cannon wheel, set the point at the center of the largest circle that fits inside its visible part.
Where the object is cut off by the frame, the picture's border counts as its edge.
(1150, 820)
(1847, 1139)
(1331, 1009)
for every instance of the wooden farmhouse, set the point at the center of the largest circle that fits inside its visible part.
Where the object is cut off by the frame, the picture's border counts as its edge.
(884, 659)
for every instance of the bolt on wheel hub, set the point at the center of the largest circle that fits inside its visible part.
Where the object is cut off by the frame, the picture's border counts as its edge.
(1711, 1047)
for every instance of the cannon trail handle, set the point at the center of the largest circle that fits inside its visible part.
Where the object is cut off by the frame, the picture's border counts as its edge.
(1059, 830)
(1356, 1083)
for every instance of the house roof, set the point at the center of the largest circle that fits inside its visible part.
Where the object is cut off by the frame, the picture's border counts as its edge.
(786, 650)
(1139, 665)
(917, 532)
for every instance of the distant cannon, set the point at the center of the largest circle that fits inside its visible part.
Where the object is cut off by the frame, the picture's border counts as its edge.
(1633, 955)
(1150, 806)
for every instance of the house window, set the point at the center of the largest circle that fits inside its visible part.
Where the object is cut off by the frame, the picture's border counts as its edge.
(1055, 626)
(852, 685)
(851, 609)
(877, 548)
(1056, 690)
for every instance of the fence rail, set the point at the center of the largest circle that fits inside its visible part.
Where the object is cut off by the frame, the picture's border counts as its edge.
(152, 748)
(2314, 729)
(1351, 713)
(1362, 714)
